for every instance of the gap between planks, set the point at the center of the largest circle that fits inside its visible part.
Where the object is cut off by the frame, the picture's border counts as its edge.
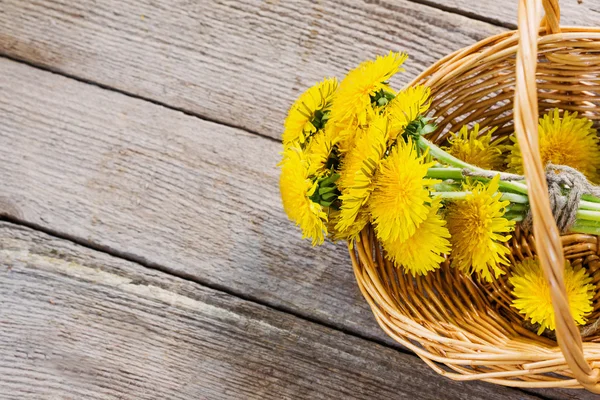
(243, 62)
(232, 63)
(190, 113)
(191, 278)
(466, 13)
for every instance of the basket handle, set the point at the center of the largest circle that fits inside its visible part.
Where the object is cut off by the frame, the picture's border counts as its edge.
(547, 236)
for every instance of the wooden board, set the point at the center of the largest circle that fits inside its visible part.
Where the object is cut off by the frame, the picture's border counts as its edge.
(504, 13)
(180, 194)
(78, 324)
(241, 63)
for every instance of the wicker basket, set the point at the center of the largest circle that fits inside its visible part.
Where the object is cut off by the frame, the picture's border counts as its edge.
(464, 329)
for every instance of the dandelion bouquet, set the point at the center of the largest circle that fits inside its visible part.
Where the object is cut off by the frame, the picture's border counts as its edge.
(357, 156)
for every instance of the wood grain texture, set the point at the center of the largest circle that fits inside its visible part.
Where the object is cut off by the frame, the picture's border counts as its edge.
(78, 324)
(573, 12)
(194, 197)
(240, 62)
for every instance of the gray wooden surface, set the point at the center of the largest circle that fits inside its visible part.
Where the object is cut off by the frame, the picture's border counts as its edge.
(187, 196)
(100, 152)
(237, 62)
(81, 324)
(504, 12)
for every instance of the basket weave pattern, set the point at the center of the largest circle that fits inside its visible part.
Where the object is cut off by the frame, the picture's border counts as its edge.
(464, 329)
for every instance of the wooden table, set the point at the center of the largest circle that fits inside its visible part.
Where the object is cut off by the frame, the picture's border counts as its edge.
(144, 253)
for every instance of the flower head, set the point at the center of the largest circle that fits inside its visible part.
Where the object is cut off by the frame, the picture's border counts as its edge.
(406, 107)
(400, 198)
(358, 168)
(360, 96)
(296, 188)
(354, 94)
(309, 113)
(352, 232)
(532, 293)
(319, 152)
(477, 148)
(423, 251)
(478, 230)
(568, 141)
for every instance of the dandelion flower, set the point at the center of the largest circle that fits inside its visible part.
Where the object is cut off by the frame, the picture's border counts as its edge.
(400, 198)
(308, 113)
(477, 149)
(423, 251)
(354, 94)
(358, 168)
(352, 108)
(346, 134)
(296, 188)
(406, 107)
(351, 233)
(478, 231)
(319, 152)
(532, 293)
(568, 141)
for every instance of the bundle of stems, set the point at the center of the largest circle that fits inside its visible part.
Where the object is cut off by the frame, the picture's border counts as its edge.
(454, 172)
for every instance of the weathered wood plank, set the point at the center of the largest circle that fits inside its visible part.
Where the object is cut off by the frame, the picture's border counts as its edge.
(80, 324)
(237, 62)
(192, 196)
(573, 12)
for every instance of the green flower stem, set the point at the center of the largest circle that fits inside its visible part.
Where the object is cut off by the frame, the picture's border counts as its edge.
(515, 198)
(445, 173)
(440, 155)
(450, 195)
(514, 216)
(590, 198)
(512, 197)
(520, 208)
(588, 221)
(589, 205)
(447, 187)
(588, 227)
(582, 224)
(517, 187)
(588, 215)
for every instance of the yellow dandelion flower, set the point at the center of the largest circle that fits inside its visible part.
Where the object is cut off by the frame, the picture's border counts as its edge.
(347, 136)
(532, 293)
(352, 102)
(318, 152)
(400, 198)
(347, 133)
(477, 149)
(406, 107)
(568, 141)
(305, 116)
(478, 230)
(358, 169)
(423, 251)
(296, 188)
(352, 232)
